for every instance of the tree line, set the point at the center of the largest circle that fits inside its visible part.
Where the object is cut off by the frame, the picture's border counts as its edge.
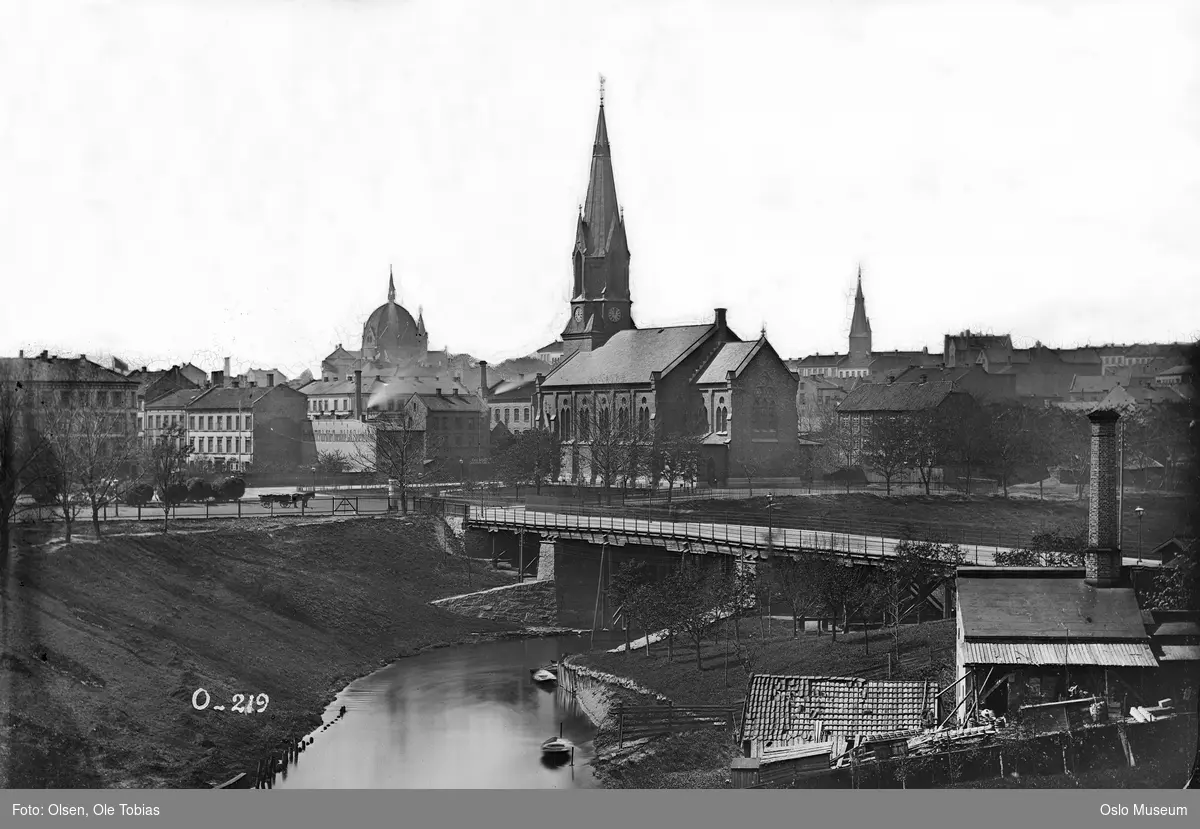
(696, 603)
(1003, 440)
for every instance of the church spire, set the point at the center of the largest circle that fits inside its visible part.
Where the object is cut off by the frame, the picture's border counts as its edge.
(860, 326)
(391, 285)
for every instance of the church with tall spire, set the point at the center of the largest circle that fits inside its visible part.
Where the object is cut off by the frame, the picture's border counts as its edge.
(601, 304)
(392, 343)
(860, 329)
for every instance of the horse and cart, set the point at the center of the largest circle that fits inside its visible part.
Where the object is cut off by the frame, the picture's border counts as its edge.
(286, 499)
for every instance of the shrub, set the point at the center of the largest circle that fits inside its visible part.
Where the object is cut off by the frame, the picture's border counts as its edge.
(175, 494)
(198, 490)
(139, 495)
(229, 489)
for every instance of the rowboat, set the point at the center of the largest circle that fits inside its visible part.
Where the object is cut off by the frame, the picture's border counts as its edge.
(542, 675)
(556, 746)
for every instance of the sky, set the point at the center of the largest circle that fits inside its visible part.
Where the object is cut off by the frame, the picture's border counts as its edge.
(189, 180)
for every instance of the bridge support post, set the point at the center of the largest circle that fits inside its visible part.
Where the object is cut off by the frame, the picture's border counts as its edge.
(547, 555)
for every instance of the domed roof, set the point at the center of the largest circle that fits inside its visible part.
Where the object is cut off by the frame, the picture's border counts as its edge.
(390, 329)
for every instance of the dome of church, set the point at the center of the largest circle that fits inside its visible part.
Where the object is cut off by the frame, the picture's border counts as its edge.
(390, 332)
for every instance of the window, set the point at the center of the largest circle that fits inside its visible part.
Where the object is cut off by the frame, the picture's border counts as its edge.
(249, 424)
(506, 413)
(210, 424)
(210, 444)
(585, 425)
(198, 445)
(220, 444)
(458, 440)
(603, 419)
(623, 418)
(248, 446)
(526, 414)
(238, 443)
(66, 397)
(192, 422)
(497, 411)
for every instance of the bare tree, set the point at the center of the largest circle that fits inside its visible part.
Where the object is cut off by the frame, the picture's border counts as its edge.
(968, 439)
(798, 579)
(694, 597)
(932, 439)
(88, 451)
(887, 446)
(532, 456)
(333, 461)
(1013, 441)
(165, 460)
(396, 448)
(678, 459)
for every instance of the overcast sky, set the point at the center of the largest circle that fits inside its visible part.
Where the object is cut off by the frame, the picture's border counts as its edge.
(185, 180)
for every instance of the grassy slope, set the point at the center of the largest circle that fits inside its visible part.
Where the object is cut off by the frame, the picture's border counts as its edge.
(951, 516)
(109, 639)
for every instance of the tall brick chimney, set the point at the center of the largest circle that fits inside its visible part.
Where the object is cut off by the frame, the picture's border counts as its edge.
(483, 383)
(358, 410)
(1102, 558)
(721, 318)
(270, 380)
(227, 376)
(218, 379)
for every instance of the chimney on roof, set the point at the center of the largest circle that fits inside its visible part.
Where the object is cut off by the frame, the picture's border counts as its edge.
(925, 350)
(83, 356)
(1102, 559)
(483, 383)
(721, 318)
(270, 379)
(45, 354)
(21, 354)
(358, 412)
(227, 375)
(218, 379)
(143, 369)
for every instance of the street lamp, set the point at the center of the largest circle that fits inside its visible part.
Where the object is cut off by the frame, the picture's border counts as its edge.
(314, 472)
(1139, 512)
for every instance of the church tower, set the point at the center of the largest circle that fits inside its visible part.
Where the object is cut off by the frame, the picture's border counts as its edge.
(860, 329)
(600, 301)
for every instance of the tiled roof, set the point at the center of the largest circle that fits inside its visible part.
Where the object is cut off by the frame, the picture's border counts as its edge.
(730, 358)
(819, 360)
(1038, 604)
(519, 389)
(1176, 371)
(1111, 654)
(629, 357)
(449, 403)
(63, 370)
(896, 397)
(180, 399)
(1083, 384)
(790, 709)
(222, 399)
(1079, 355)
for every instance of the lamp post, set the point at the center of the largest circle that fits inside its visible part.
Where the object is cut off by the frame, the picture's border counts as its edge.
(1139, 512)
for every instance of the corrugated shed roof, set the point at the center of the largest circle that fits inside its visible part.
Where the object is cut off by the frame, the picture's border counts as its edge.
(1179, 653)
(896, 397)
(1037, 607)
(629, 357)
(1112, 654)
(791, 709)
(730, 358)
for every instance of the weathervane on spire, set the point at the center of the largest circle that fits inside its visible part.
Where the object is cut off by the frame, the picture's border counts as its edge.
(601, 90)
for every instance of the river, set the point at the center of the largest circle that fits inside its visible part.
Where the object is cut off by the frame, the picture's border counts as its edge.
(468, 717)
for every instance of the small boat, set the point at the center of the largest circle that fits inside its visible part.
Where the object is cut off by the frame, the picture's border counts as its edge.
(542, 675)
(556, 746)
(552, 667)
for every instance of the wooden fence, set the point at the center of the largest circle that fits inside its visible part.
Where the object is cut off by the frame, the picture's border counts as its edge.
(637, 721)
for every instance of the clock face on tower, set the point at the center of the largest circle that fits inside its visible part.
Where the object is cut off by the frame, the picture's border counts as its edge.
(614, 314)
(579, 315)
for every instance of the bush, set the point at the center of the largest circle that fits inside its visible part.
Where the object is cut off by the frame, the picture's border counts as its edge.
(229, 489)
(199, 490)
(175, 494)
(139, 495)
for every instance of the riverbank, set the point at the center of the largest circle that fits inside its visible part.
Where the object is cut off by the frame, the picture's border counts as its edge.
(701, 759)
(108, 640)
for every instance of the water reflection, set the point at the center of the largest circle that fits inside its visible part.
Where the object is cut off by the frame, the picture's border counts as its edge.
(468, 717)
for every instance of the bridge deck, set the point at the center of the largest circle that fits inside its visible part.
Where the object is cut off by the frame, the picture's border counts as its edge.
(745, 536)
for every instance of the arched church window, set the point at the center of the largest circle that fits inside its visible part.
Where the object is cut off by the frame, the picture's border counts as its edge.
(585, 430)
(623, 418)
(704, 421)
(603, 419)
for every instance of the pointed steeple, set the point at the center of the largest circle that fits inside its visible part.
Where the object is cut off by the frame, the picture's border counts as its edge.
(601, 214)
(860, 326)
(391, 285)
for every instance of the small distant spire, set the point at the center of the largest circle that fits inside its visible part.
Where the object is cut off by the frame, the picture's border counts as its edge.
(391, 285)
(601, 90)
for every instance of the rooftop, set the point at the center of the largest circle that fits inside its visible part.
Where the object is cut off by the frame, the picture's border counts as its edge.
(789, 709)
(629, 357)
(896, 397)
(732, 357)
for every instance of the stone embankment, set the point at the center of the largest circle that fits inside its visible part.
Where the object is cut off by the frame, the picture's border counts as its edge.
(526, 603)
